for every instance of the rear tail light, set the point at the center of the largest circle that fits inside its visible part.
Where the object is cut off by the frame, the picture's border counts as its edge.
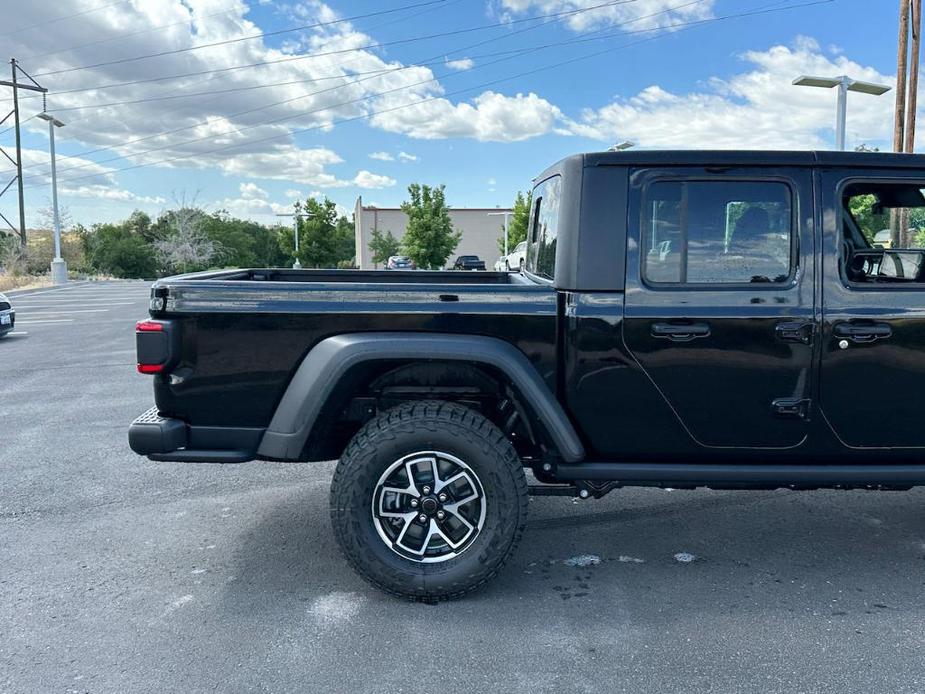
(155, 345)
(149, 326)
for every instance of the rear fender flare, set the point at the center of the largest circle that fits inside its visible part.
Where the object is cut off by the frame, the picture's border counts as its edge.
(331, 359)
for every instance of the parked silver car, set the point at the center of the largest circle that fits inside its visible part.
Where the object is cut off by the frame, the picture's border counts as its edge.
(400, 262)
(7, 316)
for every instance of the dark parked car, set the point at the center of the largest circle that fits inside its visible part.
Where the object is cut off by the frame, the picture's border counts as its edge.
(7, 316)
(684, 319)
(469, 262)
(399, 262)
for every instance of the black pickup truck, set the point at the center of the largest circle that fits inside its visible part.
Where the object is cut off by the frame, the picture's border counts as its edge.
(720, 319)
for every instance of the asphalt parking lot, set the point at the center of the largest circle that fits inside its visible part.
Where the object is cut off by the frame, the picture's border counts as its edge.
(118, 574)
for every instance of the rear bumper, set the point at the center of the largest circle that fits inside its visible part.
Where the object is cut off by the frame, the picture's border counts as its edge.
(171, 439)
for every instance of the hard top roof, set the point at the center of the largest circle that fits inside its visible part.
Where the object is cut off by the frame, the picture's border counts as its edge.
(706, 157)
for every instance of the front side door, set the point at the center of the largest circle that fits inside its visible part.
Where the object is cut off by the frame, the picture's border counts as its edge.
(872, 383)
(719, 304)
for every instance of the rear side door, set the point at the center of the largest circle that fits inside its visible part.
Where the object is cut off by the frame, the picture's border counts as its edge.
(719, 308)
(872, 384)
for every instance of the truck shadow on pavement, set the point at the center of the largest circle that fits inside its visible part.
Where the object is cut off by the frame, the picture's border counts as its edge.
(638, 555)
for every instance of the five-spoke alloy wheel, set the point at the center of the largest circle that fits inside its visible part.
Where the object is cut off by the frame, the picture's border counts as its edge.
(428, 506)
(429, 500)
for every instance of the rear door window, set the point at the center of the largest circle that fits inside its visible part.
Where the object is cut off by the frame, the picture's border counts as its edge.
(717, 232)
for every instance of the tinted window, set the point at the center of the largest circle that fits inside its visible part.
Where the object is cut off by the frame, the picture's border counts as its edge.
(883, 228)
(544, 228)
(717, 232)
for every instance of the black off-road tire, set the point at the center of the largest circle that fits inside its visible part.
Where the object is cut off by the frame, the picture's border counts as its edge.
(425, 426)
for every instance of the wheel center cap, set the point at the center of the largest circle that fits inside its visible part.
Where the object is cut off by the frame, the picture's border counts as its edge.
(429, 506)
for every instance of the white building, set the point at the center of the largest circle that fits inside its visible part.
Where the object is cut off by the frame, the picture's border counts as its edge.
(480, 232)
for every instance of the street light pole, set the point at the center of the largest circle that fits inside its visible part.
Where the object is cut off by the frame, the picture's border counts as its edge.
(845, 84)
(58, 265)
(506, 214)
(296, 218)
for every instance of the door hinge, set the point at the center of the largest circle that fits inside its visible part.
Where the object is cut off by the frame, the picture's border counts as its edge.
(792, 407)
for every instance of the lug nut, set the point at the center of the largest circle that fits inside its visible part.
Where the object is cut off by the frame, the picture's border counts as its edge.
(422, 518)
(427, 490)
(414, 503)
(547, 467)
(443, 497)
(441, 515)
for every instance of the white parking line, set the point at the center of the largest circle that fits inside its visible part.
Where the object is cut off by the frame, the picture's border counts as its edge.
(76, 297)
(40, 322)
(66, 311)
(18, 332)
(81, 291)
(23, 307)
(59, 289)
(81, 297)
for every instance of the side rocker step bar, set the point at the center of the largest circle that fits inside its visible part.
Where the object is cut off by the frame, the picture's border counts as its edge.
(742, 475)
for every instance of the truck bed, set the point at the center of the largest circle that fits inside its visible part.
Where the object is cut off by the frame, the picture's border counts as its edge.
(245, 332)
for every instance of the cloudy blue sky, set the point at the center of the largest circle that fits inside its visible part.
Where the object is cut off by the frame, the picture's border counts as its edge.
(346, 97)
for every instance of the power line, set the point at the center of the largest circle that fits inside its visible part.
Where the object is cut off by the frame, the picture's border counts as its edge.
(380, 71)
(339, 51)
(197, 18)
(342, 75)
(482, 85)
(289, 59)
(261, 35)
(405, 67)
(517, 53)
(21, 123)
(140, 32)
(588, 37)
(61, 19)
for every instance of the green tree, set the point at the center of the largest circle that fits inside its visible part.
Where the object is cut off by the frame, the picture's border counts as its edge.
(115, 250)
(862, 209)
(140, 223)
(318, 245)
(518, 222)
(429, 237)
(383, 246)
(243, 243)
(345, 243)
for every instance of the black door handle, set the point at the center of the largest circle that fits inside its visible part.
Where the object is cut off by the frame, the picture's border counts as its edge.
(863, 332)
(680, 332)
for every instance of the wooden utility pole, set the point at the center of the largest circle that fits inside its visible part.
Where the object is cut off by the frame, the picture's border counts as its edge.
(897, 221)
(902, 56)
(915, 27)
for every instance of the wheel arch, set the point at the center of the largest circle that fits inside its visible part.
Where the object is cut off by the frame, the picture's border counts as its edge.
(341, 362)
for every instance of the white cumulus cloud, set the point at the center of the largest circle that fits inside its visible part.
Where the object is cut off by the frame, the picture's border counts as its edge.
(633, 14)
(758, 108)
(366, 179)
(251, 191)
(490, 117)
(461, 64)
